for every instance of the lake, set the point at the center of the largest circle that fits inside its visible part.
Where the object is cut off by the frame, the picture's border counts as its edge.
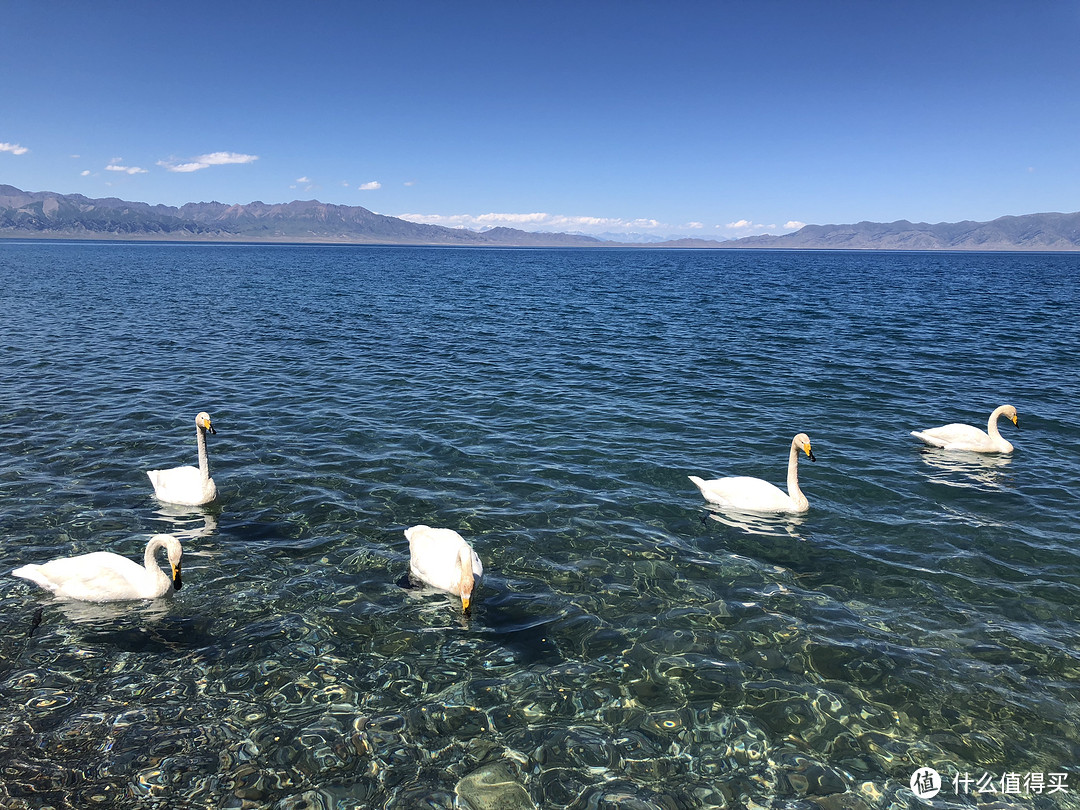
(630, 646)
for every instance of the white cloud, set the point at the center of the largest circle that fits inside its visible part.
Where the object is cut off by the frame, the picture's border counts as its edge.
(303, 179)
(14, 148)
(372, 186)
(206, 161)
(540, 221)
(513, 219)
(746, 227)
(116, 165)
(84, 173)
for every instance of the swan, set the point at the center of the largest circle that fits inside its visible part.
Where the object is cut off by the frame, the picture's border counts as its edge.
(441, 558)
(755, 495)
(106, 577)
(966, 437)
(189, 486)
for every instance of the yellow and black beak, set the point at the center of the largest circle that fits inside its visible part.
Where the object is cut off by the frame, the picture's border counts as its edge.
(810, 453)
(177, 583)
(210, 428)
(465, 603)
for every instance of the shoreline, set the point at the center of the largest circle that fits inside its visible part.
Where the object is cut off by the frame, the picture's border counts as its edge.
(10, 235)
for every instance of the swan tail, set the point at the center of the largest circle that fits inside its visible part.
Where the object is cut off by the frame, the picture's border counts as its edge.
(697, 481)
(929, 438)
(35, 575)
(414, 530)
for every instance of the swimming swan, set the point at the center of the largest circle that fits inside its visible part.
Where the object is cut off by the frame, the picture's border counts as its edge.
(188, 486)
(966, 437)
(756, 495)
(441, 558)
(106, 577)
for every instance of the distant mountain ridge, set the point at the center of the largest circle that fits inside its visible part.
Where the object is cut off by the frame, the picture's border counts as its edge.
(49, 214)
(1030, 232)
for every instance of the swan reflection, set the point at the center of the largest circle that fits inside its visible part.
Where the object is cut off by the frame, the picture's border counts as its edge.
(109, 612)
(962, 468)
(187, 523)
(769, 525)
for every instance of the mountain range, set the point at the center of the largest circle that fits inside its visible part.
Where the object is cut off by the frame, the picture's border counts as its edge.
(49, 214)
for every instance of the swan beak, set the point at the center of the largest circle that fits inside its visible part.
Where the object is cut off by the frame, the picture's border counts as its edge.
(1016, 421)
(210, 428)
(177, 583)
(465, 603)
(810, 453)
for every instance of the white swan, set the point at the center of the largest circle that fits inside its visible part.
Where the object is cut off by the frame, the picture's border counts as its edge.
(189, 486)
(441, 558)
(106, 577)
(755, 495)
(966, 437)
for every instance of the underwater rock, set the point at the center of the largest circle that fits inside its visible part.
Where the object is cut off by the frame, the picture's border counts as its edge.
(493, 787)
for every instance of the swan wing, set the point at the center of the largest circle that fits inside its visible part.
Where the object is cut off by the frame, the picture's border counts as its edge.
(961, 437)
(98, 577)
(182, 485)
(433, 556)
(746, 493)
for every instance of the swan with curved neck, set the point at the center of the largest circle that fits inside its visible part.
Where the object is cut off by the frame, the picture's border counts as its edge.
(959, 436)
(106, 577)
(755, 495)
(188, 486)
(441, 558)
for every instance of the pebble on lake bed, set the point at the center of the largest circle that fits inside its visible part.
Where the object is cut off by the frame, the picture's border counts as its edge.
(493, 787)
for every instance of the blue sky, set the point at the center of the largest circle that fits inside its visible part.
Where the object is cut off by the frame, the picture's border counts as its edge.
(710, 119)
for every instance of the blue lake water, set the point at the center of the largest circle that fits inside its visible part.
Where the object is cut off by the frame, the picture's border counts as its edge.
(629, 646)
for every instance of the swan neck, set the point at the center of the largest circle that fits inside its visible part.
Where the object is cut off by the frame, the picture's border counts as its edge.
(204, 462)
(467, 580)
(793, 474)
(150, 557)
(991, 424)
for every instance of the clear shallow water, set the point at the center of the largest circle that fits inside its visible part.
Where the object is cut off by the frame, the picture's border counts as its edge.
(629, 647)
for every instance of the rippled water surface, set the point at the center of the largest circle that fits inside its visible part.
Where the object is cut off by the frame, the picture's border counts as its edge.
(629, 647)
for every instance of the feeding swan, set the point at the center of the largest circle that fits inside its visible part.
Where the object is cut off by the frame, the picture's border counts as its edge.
(106, 577)
(441, 558)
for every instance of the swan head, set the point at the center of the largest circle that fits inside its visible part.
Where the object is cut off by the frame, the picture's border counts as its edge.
(176, 553)
(467, 581)
(802, 441)
(1010, 413)
(202, 421)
